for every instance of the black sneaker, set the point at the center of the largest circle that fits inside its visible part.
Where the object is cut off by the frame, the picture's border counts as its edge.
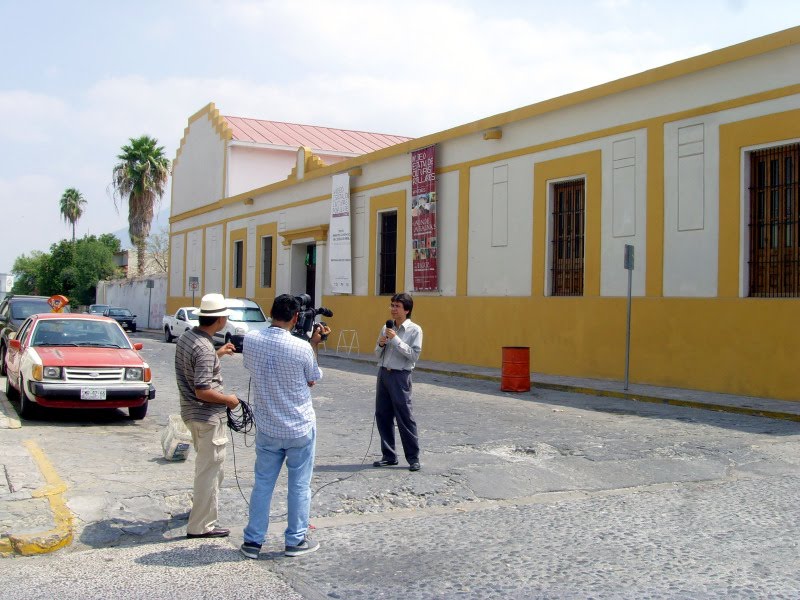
(307, 546)
(250, 550)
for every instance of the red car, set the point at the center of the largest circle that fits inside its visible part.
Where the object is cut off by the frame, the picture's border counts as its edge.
(77, 361)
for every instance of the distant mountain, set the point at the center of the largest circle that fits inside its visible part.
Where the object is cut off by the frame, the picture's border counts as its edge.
(160, 221)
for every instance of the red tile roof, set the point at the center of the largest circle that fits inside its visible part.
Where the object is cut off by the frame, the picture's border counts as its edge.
(317, 138)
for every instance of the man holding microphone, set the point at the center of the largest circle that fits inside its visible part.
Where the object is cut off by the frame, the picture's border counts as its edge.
(398, 349)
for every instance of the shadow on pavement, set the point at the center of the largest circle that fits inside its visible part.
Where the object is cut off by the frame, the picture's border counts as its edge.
(192, 557)
(77, 417)
(124, 532)
(645, 410)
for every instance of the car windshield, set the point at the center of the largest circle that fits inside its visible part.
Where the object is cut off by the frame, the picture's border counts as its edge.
(247, 315)
(192, 314)
(79, 332)
(119, 312)
(98, 308)
(22, 309)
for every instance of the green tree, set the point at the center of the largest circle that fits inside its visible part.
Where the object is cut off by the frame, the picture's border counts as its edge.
(26, 272)
(94, 261)
(111, 241)
(140, 179)
(72, 203)
(71, 268)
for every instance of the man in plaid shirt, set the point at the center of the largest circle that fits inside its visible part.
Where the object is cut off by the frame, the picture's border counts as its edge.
(283, 369)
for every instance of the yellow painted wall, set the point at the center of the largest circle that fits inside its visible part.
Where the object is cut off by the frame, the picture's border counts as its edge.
(380, 203)
(708, 344)
(265, 295)
(588, 165)
(732, 138)
(237, 235)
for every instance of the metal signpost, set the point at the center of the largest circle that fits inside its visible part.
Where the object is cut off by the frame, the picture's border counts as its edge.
(150, 284)
(629, 268)
(193, 281)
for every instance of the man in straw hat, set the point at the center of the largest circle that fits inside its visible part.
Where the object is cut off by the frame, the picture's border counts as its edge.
(203, 409)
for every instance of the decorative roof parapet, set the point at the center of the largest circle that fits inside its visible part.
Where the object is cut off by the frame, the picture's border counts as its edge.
(217, 121)
(307, 161)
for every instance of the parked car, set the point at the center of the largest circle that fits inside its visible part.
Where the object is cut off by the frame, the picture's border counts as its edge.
(14, 309)
(76, 361)
(174, 325)
(123, 316)
(245, 316)
(98, 309)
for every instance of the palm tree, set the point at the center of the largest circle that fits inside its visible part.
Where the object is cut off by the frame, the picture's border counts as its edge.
(140, 178)
(72, 203)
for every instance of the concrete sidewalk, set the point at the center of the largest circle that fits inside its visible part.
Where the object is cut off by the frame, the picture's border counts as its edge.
(748, 405)
(34, 518)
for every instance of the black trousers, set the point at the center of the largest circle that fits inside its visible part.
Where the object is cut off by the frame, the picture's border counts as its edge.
(393, 403)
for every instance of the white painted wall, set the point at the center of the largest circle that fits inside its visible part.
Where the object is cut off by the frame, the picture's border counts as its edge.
(177, 283)
(691, 256)
(500, 228)
(251, 167)
(624, 212)
(691, 207)
(194, 258)
(214, 254)
(134, 295)
(198, 172)
(447, 234)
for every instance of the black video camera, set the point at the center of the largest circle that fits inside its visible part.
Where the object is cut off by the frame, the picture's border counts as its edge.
(304, 328)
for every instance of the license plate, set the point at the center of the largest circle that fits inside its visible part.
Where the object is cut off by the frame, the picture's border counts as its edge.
(93, 393)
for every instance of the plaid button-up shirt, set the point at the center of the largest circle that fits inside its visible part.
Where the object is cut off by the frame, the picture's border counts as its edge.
(281, 366)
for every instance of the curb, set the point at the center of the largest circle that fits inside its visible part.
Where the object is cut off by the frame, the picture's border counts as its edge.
(577, 389)
(61, 535)
(8, 416)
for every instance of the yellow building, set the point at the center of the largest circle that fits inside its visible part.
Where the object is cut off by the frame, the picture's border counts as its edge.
(694, 164)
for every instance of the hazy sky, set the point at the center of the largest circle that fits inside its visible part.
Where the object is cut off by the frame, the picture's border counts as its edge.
(80, 78)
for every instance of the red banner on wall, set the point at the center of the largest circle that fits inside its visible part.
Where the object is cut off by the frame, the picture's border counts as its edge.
(423, 219)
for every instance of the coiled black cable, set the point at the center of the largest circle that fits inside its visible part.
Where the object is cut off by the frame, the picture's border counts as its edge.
(240, 419)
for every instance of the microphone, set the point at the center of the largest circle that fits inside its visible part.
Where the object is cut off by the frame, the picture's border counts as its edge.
(389, 324)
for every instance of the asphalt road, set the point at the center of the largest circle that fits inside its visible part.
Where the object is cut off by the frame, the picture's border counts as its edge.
(542, 495)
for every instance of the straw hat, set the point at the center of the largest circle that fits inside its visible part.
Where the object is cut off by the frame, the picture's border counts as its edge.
(213, 305)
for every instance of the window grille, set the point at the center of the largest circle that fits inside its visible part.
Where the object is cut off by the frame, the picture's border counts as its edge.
(238, 263)
(774, 258)
(266, 261)
(568, 238)
(388, 254)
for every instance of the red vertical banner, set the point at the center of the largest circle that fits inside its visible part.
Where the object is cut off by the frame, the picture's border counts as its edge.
(423, 219)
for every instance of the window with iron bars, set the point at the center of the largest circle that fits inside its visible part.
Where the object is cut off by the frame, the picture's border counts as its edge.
(568, 238)
(238, 264)
(266, 261)
(774, 257)
(387, 259)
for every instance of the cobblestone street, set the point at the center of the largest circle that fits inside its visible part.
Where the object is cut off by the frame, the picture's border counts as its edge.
(540, 495)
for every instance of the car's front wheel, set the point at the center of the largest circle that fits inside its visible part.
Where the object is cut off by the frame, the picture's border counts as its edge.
(137, 413)
(3, 371)
(28, 409)
(168, 337)
(133, 328)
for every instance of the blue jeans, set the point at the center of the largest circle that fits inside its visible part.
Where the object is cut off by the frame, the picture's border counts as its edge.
(270, 454)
